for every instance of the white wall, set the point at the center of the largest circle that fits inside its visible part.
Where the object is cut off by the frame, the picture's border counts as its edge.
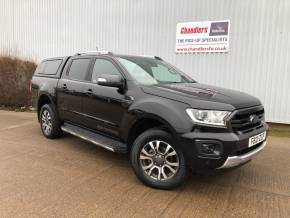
(258, 61)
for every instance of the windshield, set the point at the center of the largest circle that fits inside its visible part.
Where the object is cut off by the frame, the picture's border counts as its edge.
(148, 71)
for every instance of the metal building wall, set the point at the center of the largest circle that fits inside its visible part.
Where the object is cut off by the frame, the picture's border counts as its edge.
(259, 39)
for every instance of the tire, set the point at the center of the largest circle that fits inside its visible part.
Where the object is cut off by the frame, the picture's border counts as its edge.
(49, 123)
(151, 165)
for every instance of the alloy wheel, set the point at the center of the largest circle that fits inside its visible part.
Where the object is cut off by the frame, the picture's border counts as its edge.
(159, 160)
(46, 122)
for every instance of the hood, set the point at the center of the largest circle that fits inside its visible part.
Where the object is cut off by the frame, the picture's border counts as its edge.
(203, 96)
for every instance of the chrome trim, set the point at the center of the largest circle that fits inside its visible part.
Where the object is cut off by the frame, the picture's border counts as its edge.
(233, 161)
(93, 52)
(101, 80)
(87, 139)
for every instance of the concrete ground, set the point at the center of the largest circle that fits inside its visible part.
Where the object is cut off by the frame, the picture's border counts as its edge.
(69, 177)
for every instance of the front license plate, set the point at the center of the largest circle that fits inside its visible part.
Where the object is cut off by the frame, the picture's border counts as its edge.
(257, 139)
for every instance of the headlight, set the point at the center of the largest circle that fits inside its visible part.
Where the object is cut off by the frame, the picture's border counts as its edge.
(208, 117)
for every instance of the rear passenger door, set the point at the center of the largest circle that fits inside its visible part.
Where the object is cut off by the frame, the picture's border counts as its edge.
(70, 90)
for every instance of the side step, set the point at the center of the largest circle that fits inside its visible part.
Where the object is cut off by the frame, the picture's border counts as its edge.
(95, 138)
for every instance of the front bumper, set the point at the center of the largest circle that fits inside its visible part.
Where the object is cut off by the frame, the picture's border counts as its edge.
(234, 148)
(233, 161)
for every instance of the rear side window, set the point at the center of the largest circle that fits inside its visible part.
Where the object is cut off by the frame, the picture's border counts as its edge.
(79, 68)
(49, 67)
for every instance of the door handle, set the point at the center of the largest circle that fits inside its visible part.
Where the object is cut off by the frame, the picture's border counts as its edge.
(89, 92)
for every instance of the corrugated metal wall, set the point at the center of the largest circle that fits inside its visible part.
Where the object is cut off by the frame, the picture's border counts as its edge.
(258, 61)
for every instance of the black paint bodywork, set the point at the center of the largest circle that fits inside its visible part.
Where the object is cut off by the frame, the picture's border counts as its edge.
(114, 113)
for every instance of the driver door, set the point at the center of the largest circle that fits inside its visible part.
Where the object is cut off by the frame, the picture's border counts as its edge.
(104, 107)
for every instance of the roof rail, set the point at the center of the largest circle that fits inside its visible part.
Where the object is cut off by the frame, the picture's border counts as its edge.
(94, 52)
(155, 57)
(158, 58)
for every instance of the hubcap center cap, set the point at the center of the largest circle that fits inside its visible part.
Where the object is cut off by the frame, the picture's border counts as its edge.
(159, 160)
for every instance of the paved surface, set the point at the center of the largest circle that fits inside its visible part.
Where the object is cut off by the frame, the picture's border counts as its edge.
(68, 177)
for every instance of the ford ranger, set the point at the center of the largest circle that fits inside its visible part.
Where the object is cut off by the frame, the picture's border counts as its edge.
(141, 105)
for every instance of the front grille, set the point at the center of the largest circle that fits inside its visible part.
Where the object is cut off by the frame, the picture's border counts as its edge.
(241, 121)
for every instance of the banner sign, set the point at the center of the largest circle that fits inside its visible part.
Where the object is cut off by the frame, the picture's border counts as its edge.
(204, 36)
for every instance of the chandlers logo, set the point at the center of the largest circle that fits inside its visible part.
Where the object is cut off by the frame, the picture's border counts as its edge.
(219, 28)
(193, 30)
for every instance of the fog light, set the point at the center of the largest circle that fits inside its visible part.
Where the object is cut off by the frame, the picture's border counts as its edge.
(209, 148)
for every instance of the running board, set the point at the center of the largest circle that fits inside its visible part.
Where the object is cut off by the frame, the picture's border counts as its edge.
(95, 138)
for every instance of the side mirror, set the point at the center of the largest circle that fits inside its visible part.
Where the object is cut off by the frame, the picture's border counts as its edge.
(111, 81)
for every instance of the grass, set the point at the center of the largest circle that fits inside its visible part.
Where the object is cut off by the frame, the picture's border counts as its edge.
(279, 130)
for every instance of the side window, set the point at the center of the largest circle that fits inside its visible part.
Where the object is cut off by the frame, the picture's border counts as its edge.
(79, 68)
(49, 67)
(103, 66)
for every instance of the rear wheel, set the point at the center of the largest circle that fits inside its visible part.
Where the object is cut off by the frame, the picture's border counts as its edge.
(49, 123)
(157, 161)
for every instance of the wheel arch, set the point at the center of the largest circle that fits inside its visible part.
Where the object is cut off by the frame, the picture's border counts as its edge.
(43, 99)
(145, 122)
(165, 113)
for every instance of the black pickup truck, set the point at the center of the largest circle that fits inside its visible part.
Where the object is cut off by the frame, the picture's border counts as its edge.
(144, 106)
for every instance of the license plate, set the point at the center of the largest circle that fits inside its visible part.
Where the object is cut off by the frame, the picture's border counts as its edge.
(257, 139)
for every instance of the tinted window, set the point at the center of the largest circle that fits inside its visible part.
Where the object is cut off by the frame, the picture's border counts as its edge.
(160, 73)
(148, 71)
(138, 73)
(103, 66)
(79, 68)
(49, 67)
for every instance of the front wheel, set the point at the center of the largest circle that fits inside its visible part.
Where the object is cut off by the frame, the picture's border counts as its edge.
(157, 161)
